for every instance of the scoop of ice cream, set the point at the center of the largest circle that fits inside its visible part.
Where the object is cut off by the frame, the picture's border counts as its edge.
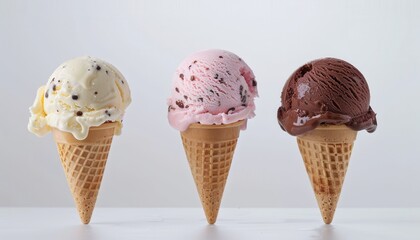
(81, 93)
(326, 91)
(212, 87)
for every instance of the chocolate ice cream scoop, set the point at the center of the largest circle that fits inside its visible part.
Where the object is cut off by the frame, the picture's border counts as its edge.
(326, 91)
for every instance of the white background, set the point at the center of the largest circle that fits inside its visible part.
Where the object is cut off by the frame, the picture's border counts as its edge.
(146, 41)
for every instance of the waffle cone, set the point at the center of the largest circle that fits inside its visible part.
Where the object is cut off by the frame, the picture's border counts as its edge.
(326, 153)
(84, 163)
(210, 149)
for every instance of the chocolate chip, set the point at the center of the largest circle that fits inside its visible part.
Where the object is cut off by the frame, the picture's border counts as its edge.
(57, 110)
(107, 113)
(220, 56)
(180, 103)
(192, 78)
(96, 93)
(74, 97)
(230, 109)
(79, 113)
(52, 80)
(241, 88)
(177, 90)
(200, 99)
(243, 105)
(89, 69)
(254, 83)
(59, 81)
(216, 76)
(186, 97)
(240, 59)
(228, 72)
(122, 81)
(211, 91)
(170, 108)
(187, 106)
(189, 67)
(98, 68)
(106, 71)
(181, 76)
(243, 99)
(46, 94)
(54, 87)
(195, 61)
(219, 103)
(221, 80)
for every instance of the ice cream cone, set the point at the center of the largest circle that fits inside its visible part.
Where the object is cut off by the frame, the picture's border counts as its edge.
(326, 153)
(84, 164)
(209, 149)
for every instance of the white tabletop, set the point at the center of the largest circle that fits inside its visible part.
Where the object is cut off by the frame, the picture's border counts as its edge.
(189, 223)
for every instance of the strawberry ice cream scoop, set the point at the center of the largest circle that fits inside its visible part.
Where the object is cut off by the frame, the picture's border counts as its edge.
(212, 87)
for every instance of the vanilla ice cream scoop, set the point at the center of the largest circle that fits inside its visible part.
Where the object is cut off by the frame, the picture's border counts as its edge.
(81, 93)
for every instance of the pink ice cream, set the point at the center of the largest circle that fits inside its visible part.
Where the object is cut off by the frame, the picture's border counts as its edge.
(212, 87)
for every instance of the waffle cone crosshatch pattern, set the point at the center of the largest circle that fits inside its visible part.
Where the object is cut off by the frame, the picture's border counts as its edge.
(326, 154)
(84, 165)
(209, 151)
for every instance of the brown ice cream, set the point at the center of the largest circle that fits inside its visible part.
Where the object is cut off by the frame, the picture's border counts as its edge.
(326, 91)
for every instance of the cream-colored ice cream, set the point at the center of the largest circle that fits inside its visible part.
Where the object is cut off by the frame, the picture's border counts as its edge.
(81, 93)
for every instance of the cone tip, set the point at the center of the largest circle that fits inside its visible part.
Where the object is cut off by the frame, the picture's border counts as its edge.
(85, 219)
(327, 220)
(211, 220)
